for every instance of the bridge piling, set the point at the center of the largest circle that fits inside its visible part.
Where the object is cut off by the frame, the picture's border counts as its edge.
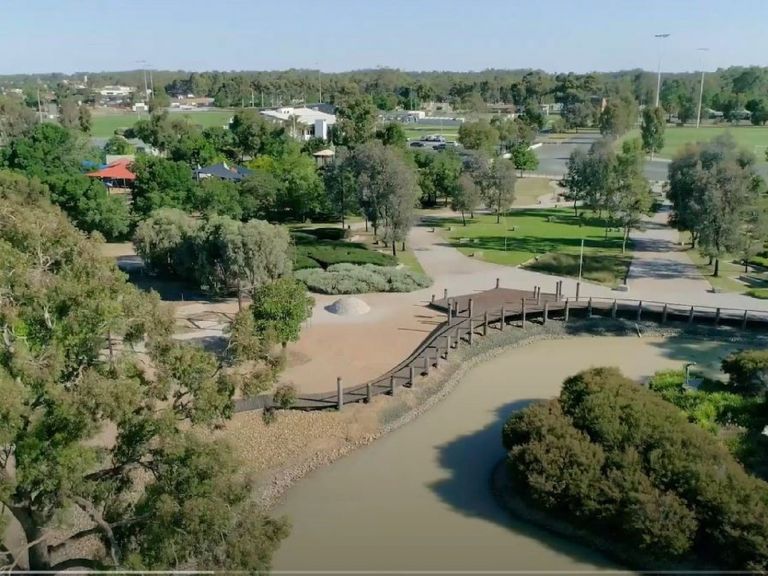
(639, 310)
(411, 375)
(433, 298)
(578, 289)
(664, 314)
(368, 393)
(447, 345)
(445, 293)
(426, 363)
(589, 308)
(522, 314)
(690, 316)
(392, 385)
(744, 321)
(498, 283)
(471, 330)
(717, 316)
(613, 310)
(485, 323)
(567, 310)
(471, 307)
(449, 311)
(545, 313)
(339, 394)
(502, 319)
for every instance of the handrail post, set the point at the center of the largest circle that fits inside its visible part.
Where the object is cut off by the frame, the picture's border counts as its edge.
(485, 323)
(433, 299)
(470, 307)
(392, 385)
(567, 309)
(744, 320)
(664, 314)
(690, 316)
(498, 282)
(437, 357)
(717, 316)
(426, 362)
(613, 310)
(538, 296)
(546, 312)
(455, 308)
(445, 293)
(471, 330)
(368, 393)
(449, 311)
(578, 289)
(589, 308)
(639, 310)
(447, 345)
(411, 375)
(502, 320)
(522, 314)
(339, 394)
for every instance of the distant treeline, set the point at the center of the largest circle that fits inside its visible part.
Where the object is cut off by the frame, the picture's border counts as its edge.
(391, 88)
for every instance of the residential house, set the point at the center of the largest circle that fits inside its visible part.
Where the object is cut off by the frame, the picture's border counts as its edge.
(223, 171)
(302, 123)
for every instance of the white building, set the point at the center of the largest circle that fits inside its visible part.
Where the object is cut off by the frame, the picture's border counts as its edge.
(303, 123)
(112, 91)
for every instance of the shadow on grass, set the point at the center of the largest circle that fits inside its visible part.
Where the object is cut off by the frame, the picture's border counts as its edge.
(469, 461)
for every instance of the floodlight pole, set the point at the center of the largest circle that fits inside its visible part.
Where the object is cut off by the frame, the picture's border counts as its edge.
(701, 88)
(658, 74)
(581, 259)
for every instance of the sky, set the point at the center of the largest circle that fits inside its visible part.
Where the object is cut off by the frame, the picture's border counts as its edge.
(38, 36)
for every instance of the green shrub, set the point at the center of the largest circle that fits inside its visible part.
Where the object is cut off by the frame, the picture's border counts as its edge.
(285, 396)
(303, 261)
(329, 252)
(616, 459)
(327, 233)
(747, 370)
(354, 279)
(760, 293)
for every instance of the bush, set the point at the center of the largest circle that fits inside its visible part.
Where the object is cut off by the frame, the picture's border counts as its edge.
(747, 370)
(327, 233)
(303, 261)
(330, 252)
(353, 279)
(614, 458)
(285, 396)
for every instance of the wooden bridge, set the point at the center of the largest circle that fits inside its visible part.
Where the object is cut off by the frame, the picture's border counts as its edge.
(471, 316)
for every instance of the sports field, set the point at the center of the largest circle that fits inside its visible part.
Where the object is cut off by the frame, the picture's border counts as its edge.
(752, 138)
(105, 126)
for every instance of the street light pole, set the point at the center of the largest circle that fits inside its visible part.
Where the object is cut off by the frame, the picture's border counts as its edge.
(581, 259)
(658, 74)
(701, 88)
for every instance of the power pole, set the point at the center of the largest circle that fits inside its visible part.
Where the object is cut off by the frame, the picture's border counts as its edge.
(658, 75)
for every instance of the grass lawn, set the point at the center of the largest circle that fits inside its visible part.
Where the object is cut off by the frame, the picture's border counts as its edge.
(528, 190)
(105, 125)
(450, 132)
(752, 138)
(545, 240)
(732, 277)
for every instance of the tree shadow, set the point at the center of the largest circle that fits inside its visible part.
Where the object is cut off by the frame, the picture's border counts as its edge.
(470, 461)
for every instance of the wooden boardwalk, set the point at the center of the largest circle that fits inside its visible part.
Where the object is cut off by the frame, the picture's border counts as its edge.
(471, 316)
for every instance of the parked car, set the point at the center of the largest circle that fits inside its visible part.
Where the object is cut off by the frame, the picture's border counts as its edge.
(417, 144)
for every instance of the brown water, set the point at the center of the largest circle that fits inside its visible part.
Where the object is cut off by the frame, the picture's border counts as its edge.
(419, 498)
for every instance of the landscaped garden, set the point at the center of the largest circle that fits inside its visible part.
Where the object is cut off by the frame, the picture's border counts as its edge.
(545, 240)
(752, 138)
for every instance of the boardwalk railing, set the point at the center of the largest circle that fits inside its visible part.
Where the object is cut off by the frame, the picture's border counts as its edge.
(465, 322)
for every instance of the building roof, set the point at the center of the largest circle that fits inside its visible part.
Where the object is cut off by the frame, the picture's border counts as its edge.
(305, 115)
(116, 171)
(224, 171)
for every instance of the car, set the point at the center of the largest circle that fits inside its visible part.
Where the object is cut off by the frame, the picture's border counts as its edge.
(417, 144)
(440, 146)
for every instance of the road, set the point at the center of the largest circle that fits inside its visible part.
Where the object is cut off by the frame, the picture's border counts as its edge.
(553, 156)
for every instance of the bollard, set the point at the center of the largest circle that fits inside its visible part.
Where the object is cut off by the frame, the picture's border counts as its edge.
(717, 316)
(613, 310)
(470, 307)
(522, 314)
(447, 345)
(485, 323)
(639, 310)
(498, 283)
(368, 393)
(744, 321)
(664, 314)
(567, 309)
(471, 330)
(433, 298)
(546, 313)
(392, 385)
(589, 308)
(690, 316)
(502, 319)
(445, 293)
(578, 287)
(411, 375)
(339, 394)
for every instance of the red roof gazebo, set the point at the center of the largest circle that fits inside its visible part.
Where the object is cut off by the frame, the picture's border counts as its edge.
(116, 174)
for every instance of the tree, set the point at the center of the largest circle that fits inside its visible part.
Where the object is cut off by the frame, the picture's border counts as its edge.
(160, 183)
(630, 194)
(466, 197)
(758, 110)
(652, 130)
(159, 100)
(68, 113)
(618, 116)
(356, 119)
(498, 186)
(117, 145)
(64, 381)
(524, 158)
(166, 242)
(279, 308)
(258, 195)
(15, 118)
(214, 196)
(392, 134)
(714, 189)
(479, 135)
(46, 150)
(340, 183)
(84, 119)
(754, 233)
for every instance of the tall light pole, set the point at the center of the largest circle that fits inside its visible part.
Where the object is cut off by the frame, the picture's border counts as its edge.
(701, 88)
(658, 75)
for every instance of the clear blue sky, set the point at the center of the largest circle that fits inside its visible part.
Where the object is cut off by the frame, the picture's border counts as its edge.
(555, 35)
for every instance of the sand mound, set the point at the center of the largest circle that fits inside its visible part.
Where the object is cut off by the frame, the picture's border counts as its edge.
(348, 306)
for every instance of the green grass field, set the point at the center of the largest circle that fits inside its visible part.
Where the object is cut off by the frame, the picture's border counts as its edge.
(105, 126)
(546, 240)
(752, 138)
(450, 132)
